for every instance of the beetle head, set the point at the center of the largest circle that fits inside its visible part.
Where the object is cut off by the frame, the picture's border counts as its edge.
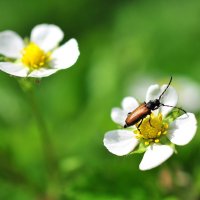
(153, 104)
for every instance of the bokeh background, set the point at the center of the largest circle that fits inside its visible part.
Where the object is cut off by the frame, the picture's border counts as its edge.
(125, 46)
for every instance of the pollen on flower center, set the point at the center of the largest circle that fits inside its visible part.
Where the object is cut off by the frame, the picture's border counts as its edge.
(151, 129)
(34, 57)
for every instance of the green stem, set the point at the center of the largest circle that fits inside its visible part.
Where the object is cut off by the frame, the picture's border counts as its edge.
(48, 148)
(51, 162)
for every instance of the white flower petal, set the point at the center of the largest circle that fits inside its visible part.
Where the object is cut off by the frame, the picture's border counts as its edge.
(183, 129)
(169, 98)
(66, 55)
(42, 72)
(47, 36)
(11, 44)
(118, 116)
(153, 92)
(129, 104)
(120, 142)
(14, 69)
(188, 88)
(155, 155)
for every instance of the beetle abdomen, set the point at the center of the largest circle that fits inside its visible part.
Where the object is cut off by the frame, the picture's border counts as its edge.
(136, 115)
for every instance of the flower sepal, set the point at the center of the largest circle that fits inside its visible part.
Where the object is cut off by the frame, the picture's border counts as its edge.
(27, 84)
(172, 145)
(6, 59)
(141, 148)
(2, 58)
(175, 113)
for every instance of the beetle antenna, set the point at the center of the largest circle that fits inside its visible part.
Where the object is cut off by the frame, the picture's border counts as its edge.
(165, 88)
(175, 107)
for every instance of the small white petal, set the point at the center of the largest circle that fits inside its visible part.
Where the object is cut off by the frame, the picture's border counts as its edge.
(66, 55)
(11, 44)
(120, 142)
(129, 104)
(118, 116)
(155, 155)
(46, 36)
(43, 72)
(188, 88)
(169, 98)
(183, 129)
(14, 69)
(153, 92)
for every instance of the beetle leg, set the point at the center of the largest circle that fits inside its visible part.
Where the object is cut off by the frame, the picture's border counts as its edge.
(138, 127)
(175, 107)
(150, 122)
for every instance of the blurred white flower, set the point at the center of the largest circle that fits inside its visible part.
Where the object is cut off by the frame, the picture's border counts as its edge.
(39, 57)
(156, 138)
(189, 93)
(188, 89)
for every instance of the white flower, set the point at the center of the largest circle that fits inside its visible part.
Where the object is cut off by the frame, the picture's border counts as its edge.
(189, 93)
(158, 136)
(186, 86)
(40, 57)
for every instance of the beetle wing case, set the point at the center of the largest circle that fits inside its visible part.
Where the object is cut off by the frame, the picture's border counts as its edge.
(136, 115)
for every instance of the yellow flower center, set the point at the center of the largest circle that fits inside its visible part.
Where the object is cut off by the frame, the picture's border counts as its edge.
(151, 129)
(34, 57)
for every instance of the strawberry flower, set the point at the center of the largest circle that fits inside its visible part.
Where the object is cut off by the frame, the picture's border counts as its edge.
(156, 139)
(39, 57)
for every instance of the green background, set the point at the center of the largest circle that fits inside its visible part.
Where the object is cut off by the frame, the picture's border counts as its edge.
(119, 41)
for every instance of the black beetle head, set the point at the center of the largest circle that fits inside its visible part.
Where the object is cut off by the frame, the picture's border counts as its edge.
(153, 104)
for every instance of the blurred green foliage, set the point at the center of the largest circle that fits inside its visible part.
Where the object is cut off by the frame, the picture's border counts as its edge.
(119, 41)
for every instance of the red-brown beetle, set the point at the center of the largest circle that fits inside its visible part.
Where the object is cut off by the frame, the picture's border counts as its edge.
(145, 109)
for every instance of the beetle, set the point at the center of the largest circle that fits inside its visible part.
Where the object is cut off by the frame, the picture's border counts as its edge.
(145, 109)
